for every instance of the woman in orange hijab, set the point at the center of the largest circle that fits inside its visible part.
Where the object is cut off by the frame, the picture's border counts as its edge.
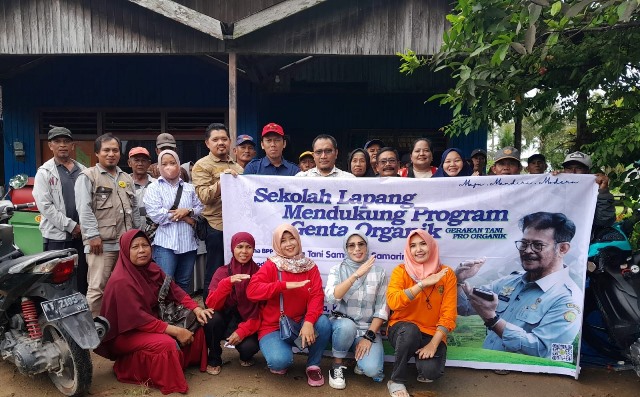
(422, 295)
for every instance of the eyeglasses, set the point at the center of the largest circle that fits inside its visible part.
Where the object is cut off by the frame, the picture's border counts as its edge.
(319, 152)
(536, 246)
(352, 246)
(141, 160)
(388, 161)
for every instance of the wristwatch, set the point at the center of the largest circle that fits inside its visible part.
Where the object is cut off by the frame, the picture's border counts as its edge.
(370, 336)
(490, 323)
(190, 212)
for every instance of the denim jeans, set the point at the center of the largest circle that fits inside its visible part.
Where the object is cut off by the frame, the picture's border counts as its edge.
(343, 340)
(215, 256)
(278, 352)
(178, 266)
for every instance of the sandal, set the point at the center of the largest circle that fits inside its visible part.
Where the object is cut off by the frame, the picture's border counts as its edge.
(397, 389)
(248, 363)
(213, 370)
(422, 379)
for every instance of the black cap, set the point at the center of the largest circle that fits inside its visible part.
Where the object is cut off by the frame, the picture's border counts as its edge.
(374, 142)
(477, 152)
(58, 131)
(537, 156)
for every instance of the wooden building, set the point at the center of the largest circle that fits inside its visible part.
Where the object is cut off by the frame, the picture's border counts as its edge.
(140, 67)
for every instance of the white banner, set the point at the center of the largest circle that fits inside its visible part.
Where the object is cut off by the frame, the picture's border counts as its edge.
(472, 217)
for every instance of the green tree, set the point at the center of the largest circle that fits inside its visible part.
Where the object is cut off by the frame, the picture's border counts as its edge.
(563, 52)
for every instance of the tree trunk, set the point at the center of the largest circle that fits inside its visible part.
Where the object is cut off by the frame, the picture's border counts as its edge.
(583, 135)
(517, 132)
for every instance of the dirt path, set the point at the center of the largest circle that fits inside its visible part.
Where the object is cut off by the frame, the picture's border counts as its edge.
(236, 381)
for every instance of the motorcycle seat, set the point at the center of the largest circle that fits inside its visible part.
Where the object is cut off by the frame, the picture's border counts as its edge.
(27, 260)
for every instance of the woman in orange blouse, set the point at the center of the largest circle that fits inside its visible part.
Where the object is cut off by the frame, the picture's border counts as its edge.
(422, 297)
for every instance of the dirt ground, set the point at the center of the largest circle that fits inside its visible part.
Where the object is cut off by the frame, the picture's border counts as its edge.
(257, 381)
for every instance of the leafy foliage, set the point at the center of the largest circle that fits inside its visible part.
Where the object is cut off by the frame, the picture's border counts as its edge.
(578, 61)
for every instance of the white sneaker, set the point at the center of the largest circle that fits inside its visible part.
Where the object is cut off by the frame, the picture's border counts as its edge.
(357, 370)
(336, 377)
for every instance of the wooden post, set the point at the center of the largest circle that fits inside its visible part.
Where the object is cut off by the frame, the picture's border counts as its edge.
(233, 100)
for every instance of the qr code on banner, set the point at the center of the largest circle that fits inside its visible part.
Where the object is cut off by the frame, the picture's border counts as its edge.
(562, 352)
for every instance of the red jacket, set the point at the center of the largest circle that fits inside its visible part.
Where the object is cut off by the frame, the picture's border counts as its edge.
(216, 301)
(307, 301)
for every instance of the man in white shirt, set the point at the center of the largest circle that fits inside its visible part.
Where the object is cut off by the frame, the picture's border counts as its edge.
(325, 153)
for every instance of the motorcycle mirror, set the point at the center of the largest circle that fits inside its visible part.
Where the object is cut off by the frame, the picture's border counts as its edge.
(19, 181)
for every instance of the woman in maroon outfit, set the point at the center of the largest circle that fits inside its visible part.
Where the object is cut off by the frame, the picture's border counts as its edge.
(147, 350)
(236, 318)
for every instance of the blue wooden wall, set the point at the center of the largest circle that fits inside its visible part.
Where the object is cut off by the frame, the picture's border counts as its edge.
(303, 116)
(117, 82)
(121, 82)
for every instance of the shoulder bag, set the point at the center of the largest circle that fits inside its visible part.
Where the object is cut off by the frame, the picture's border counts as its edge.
(150, 226)
(174, 313)
(200, 227)
(289, 329)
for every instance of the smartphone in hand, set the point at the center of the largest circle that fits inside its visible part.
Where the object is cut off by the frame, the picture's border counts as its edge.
(483, 293)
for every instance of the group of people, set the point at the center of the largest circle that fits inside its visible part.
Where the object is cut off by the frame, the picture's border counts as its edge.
(246, 303)
(101, 211)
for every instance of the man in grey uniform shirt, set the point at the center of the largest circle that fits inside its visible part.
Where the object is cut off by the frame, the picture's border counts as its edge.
(536, 312)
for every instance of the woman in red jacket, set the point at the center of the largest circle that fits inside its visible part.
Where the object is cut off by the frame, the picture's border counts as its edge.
(291, 281)
(236, 318)
(422, 295)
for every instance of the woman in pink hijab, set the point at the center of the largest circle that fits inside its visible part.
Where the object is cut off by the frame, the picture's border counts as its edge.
(175, 244)
(422, 295)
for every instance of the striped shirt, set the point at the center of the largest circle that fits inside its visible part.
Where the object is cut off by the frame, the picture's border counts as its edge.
(176, 236)
(364, 301)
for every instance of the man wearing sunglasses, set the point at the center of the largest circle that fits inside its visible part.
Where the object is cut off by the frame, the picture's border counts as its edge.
(535, 312)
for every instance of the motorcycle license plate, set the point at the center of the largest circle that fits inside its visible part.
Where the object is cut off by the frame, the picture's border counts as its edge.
(64, 307)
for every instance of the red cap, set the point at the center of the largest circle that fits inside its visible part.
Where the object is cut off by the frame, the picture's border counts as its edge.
(272, 127)
(139, 150)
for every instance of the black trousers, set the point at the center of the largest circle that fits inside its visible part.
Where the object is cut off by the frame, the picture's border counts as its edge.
(218, 328)
(406, 339)
(80, 274)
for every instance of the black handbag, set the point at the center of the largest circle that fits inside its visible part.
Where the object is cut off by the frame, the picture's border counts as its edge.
(200, 227)
(151, 227)
(174, 313)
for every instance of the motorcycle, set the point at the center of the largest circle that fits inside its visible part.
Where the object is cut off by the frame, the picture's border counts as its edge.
(45, 324)
(612, 308)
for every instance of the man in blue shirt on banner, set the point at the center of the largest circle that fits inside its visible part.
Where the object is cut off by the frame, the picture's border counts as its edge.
(273, 143)
(535, 312)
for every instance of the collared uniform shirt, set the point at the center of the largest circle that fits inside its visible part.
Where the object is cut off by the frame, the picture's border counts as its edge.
(542, 316)
(176, 236)
(140, 190)
(364, 301)
(335, 173)
(264, 167)
(205, 176)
